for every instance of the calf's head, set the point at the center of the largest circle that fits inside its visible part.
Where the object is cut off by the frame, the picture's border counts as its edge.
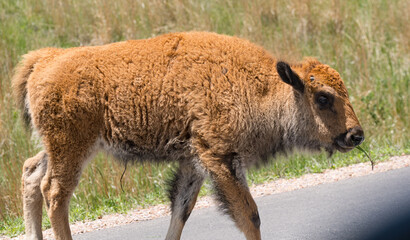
(322, 101)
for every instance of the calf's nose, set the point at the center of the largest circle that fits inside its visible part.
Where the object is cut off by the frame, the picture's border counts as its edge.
(356, 135)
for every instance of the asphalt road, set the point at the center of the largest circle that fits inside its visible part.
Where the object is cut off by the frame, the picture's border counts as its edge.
(358, 208)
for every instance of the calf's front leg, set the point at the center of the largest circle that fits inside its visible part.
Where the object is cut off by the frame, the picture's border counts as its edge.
(232, 190)
(183, 194)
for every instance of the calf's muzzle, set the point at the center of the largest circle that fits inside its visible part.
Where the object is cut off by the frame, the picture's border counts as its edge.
(355, 136)
(350, 139)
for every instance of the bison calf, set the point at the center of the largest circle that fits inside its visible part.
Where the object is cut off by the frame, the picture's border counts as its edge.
(215, 104)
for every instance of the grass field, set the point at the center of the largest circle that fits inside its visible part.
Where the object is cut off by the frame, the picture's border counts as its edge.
(367, 41)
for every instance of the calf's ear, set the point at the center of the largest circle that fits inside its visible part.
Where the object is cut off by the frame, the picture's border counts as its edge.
(290, 77)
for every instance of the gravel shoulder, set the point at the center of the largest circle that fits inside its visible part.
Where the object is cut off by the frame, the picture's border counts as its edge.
(274, 187)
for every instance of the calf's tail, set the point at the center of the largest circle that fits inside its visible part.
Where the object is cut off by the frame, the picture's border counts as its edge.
(20, 78)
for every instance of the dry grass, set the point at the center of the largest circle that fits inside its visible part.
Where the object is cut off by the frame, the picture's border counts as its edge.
(367, 41)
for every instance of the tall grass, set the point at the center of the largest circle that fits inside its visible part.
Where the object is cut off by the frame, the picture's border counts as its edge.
(367, 41)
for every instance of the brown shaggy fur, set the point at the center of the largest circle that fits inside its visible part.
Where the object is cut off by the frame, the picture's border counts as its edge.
(214, 103)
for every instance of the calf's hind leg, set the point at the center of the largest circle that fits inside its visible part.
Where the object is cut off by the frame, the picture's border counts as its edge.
(34, 170)
(63, 173)
(183, 194)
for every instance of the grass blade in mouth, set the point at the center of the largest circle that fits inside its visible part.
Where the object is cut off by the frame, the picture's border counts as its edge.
(364, 151)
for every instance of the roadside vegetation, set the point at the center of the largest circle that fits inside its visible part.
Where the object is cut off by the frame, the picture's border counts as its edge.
(367, 41)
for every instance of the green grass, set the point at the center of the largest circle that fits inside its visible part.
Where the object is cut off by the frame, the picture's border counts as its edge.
(366, 41)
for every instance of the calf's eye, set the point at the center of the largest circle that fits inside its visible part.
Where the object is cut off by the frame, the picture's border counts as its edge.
(323, 101)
